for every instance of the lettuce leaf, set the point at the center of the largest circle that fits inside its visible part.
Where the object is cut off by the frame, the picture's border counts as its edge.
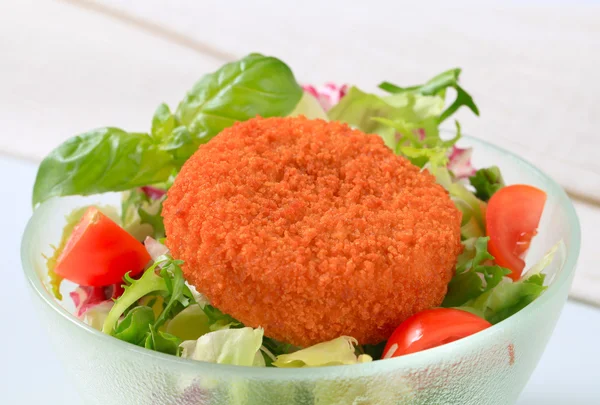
(509, 297)
(438, 86)
(338, 351)
(227, 346)
(149, 283)
(486, 182)
(189, 324)
(473, 209)
(134, 327)
(141, 215)
(162, 342)
(387, 116)
(473, 276)
(309, 107)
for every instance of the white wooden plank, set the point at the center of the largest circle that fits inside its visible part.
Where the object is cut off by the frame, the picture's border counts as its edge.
(66, 70)
(530, 65)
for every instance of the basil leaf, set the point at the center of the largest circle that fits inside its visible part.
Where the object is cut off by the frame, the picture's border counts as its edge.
(110, 159)
(102, 160)
(180, 144)
(163, 122)
(238, 91)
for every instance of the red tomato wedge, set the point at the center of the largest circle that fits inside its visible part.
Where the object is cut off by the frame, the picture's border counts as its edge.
(432, 328)
(512, 218)
(100, 252)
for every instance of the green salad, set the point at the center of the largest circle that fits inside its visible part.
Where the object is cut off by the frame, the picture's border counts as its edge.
(125, 281)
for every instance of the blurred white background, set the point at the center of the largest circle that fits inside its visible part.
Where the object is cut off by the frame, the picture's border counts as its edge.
(532, 67)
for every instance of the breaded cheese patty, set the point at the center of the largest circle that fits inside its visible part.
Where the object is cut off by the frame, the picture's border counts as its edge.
(311, 230)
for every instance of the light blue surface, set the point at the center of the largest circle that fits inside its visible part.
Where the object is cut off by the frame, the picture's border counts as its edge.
(31, 374)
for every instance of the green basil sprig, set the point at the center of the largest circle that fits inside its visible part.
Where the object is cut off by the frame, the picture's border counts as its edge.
(111, 159)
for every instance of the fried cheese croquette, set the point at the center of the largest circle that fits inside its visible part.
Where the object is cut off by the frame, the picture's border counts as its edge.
(311, 230)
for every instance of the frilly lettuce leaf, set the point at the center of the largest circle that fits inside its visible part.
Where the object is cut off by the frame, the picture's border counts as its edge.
(486, 182)
(149, 283)
(386, 116)
(474, 276)
(438, 86)
(338, 351)
(227, 346)
(509, 297)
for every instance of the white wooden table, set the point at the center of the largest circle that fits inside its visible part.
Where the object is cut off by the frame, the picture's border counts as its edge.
(68, 66)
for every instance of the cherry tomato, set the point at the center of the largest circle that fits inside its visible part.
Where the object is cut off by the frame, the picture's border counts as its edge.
(512, 218)
(432, 328)
(100, 252)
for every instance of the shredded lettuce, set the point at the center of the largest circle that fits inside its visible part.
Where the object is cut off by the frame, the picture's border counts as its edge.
(338, 351)
(239, 347)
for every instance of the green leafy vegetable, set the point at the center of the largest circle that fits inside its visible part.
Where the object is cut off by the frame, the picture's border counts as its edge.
(162, 342)
(163, 122)
(393, 117)
(473, 276)
(111, 159)
(255, 85)
(106, 159)
(189, 324)
(178, 293)
(218, 320)
(141, 215)
(149, 283)
(473, 221)
(309, 107)
(227, 346)
(509, 297)
(134, 327)
(147, 304)
(335, 352)
(486, 182)
(438, 86)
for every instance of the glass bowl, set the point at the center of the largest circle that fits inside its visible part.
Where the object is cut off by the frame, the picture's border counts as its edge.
(490, 367)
